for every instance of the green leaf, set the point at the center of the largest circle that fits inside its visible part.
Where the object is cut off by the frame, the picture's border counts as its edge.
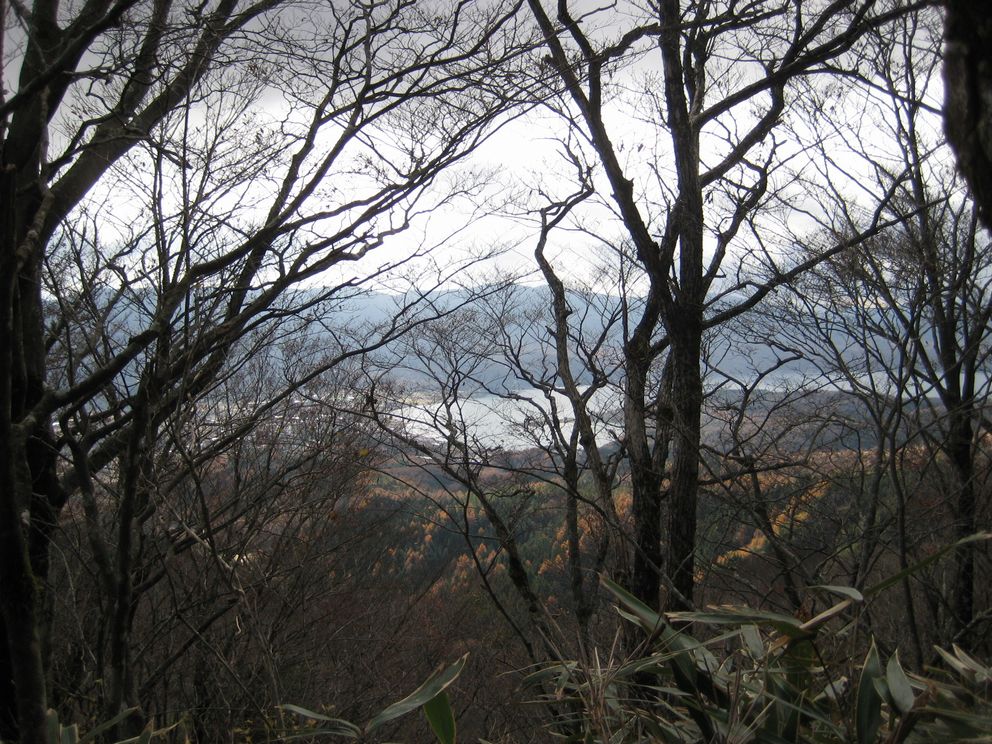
(804, 707)
(433, 687)
(828, 614)
(93, 734)
(52, 726)
(954, 663)
(868, 716)
(307, 713)
(899, 687)
(143, 738)
(882, 688)
(785, 624)
(681, 645)
(647, 618)
(896, 578)
(982, 673)
(753, 641)
(441, 718)
(331, 727)
(967, 724)
(559, 672)
(337, 728)
(845, 591)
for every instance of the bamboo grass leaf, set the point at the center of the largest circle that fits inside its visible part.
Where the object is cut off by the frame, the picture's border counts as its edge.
(429, 690)
(868, 715)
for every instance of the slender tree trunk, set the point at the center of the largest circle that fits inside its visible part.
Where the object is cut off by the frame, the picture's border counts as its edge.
(687, 396)
(645, 484)
(960, 454)
(907, 590)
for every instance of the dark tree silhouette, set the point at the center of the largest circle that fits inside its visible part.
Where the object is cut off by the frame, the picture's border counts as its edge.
(968, 95)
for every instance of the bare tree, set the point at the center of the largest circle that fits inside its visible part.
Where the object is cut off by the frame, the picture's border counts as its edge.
(902, 327)
(193, 164)
(689, 201)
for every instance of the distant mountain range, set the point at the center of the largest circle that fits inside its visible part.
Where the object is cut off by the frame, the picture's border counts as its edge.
(731, 353)
(445, 333)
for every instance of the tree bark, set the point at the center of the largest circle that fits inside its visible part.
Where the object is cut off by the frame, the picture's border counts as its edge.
(645, 482)
(684, 314)
(968, 95)
(687, 395)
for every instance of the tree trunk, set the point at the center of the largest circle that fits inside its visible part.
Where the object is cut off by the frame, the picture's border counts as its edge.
(645, 480)
(28, 505)
(968, 95)
(24, 702)
(960, 455)
(687, 397)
